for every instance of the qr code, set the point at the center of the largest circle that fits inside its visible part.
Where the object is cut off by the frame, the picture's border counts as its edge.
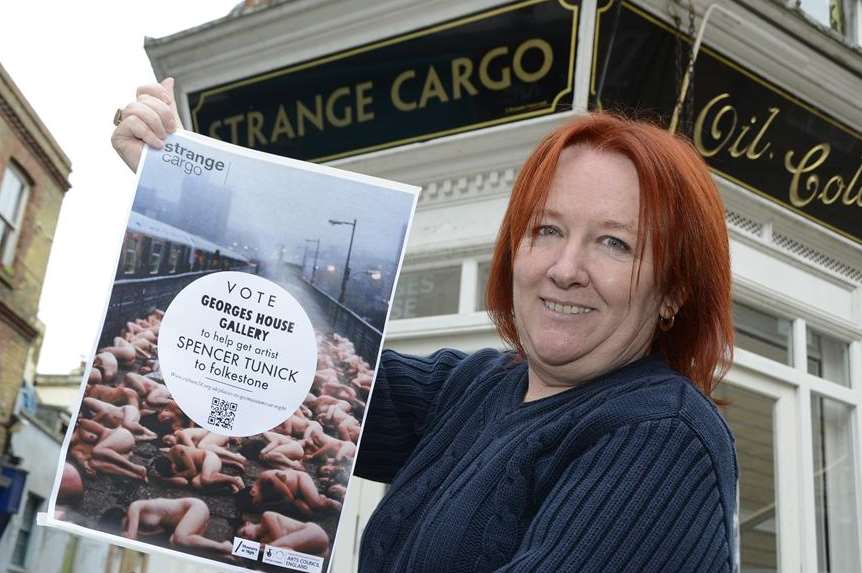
(222, 413)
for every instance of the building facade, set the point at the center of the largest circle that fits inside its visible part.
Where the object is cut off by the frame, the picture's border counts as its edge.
(452, 95)
(34, 175)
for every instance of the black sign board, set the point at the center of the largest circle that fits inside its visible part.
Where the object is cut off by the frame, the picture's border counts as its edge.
(505, 64)
(749, 130)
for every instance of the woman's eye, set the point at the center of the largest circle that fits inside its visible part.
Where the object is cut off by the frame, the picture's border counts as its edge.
(617, 244)
(546, 231)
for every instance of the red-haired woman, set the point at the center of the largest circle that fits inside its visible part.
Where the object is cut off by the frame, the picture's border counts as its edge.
(593, 444)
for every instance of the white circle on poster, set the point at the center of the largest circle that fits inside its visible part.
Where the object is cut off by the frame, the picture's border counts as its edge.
(237, 352)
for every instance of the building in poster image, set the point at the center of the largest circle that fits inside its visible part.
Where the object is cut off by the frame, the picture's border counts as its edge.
(225, 399)
(790, 70)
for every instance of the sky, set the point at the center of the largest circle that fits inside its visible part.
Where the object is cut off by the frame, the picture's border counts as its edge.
(76, 63)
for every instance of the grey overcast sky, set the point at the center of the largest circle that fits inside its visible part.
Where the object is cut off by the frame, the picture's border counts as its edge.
(76, 62)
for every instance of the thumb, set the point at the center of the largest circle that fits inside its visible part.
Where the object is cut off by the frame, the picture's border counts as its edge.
(168, 84)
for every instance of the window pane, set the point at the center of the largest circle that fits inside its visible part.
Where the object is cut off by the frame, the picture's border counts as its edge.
(427, 293)
(749, 416)
(827, 12)
(28, 521)
(481, 282)
(130, 254)
(10, 196)
(834, 491)
(828, 358)
(762, 333)
(817, 9)
(173, 259)
(155, 256)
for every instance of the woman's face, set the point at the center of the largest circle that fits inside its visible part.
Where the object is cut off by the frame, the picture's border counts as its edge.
(576, 311)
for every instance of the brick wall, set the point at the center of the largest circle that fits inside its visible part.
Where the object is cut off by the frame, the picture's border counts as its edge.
(25, 141)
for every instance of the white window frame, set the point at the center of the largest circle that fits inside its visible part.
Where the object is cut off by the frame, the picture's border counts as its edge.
(434, 266)
(797, 533)
(750, 372)
(854, 19)
(7, 257)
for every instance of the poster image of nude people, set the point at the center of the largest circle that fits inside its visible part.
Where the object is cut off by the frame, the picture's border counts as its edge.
(138, 467)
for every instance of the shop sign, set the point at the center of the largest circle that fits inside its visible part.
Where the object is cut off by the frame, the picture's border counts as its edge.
(501, 65)
(748, 129)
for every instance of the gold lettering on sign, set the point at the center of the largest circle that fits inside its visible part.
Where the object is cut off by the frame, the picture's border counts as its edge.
(723, 129)
(233, 122)
(547, 60)
(834, 188)
(213, 130)
(433, 88)
(363, 100)
(494, 84)
(395, 92)
(315, 117)
(462, 69)
(751, 152)
(437, 87)
(848, 199)
(346, 118)
(255, 123)
(813, 159)
(282, 126)
(715, 130)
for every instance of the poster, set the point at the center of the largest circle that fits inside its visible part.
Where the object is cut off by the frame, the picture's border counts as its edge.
(221, 410)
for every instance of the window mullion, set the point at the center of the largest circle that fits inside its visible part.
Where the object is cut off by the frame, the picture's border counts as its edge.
(807, 509)
(467, 294)
(856, 368)
(799, 345)
(856, 427)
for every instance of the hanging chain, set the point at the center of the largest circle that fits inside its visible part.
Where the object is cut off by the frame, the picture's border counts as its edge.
(688, 106)
(679, 64)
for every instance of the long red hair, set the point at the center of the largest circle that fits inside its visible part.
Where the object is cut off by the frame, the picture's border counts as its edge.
(681, 212)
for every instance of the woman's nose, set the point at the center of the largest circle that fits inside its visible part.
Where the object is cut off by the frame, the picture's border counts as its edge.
(569, 269)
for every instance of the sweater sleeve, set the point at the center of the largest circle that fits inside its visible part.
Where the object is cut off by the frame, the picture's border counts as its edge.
(405, 390)
(646, 497)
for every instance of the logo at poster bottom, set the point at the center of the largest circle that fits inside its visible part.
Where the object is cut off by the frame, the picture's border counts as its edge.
(292, 559)
(246, 548)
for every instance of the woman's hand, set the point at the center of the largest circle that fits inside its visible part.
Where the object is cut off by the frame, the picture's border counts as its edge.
(149, 119)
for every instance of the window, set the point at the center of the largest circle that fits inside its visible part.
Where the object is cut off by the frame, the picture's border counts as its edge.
(174, 258)
(427, 293)
(834, 490)
(842, 16)
(13, 195)
(857, 8)
(481, 284)
(762, 333)
(155, 256)
(828, 358)
(130, 254)
(751, 418)
(25, 532)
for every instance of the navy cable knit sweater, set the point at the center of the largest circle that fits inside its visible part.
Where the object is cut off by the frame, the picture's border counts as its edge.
(634, 471)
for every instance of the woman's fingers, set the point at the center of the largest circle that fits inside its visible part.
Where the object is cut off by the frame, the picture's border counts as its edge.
(151, 118)
(160, 91)
(163, 110)
(142, 131)
(164, 92)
